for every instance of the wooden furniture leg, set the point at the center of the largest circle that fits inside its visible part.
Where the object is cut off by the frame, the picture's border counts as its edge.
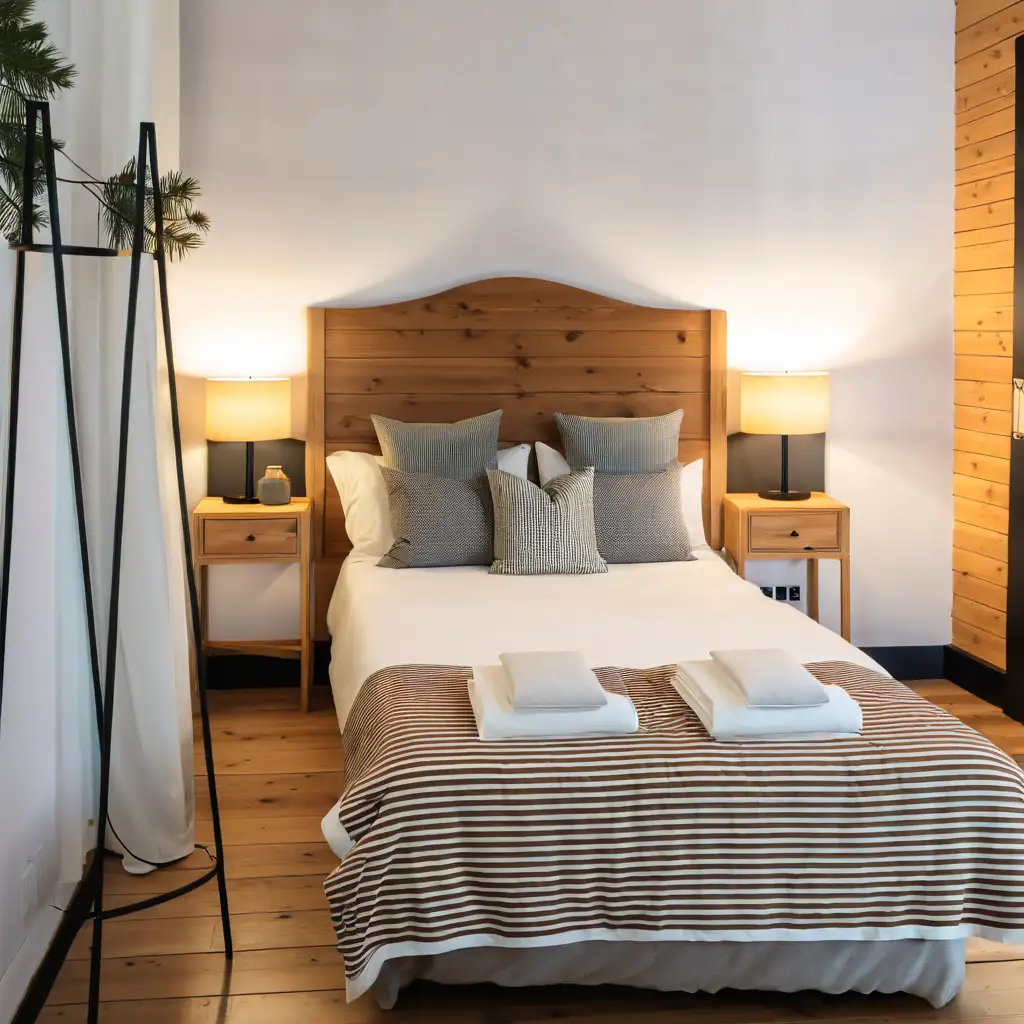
(306, 663)
(812, 588)
(844, 597)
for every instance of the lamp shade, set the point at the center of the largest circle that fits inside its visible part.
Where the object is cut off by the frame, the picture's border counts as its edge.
(248, 408)
(784, 403)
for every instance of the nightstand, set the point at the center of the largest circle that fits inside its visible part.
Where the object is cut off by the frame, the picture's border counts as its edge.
(225, 534)
(756, 528)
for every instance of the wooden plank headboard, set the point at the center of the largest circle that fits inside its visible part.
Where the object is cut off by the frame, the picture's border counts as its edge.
(526, 346)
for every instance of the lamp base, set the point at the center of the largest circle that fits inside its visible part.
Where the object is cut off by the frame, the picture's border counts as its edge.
(779, 495)
(240, 499)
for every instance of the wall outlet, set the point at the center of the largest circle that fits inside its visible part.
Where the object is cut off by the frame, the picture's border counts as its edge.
(794, 593)
(780, 593)
(768, 591)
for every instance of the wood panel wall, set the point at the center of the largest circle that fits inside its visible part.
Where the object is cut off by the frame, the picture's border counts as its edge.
(983, 321)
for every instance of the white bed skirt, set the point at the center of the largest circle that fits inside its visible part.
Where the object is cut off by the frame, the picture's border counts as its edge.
(930, 968)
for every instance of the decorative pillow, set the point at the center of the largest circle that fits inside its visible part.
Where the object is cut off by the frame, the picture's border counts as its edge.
(614, 444)
(639, 518)
(364, 500)
(438, 520)
(460, 450)
(550, 463)
(514, 460)
(544, 530)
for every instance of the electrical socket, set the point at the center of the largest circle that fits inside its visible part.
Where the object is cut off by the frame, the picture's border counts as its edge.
(780, 593)
(794, 593)
(768, 591)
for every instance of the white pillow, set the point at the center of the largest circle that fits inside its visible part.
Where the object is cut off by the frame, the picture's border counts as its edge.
(691, 486)
(364, 500)
(515, 460)
(551, 463)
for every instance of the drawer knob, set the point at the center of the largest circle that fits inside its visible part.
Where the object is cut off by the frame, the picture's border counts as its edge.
(251, 537)
(807, 547)
(794, 533)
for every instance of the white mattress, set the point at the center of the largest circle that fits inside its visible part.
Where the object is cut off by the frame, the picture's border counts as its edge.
(634, 616)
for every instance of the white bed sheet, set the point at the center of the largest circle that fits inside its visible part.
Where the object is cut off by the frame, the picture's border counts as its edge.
(633, 616)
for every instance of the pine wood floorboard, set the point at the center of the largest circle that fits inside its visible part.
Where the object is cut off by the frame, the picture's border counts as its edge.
(279, 770)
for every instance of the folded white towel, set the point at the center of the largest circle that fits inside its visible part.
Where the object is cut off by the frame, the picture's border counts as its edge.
(721, 708)
(771, 678)
(552, 681)
(496, 719)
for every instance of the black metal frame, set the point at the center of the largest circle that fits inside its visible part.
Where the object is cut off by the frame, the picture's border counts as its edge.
(38, 113)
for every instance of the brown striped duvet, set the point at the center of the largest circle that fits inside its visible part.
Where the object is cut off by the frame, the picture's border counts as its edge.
(916, 829)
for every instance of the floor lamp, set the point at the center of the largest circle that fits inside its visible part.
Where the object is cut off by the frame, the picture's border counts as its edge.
(38, 116)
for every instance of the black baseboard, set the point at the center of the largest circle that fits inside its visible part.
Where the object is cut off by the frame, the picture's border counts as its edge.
(976, 677)
(909, 663)
(247, 671)
(76, 914)
(257, 671)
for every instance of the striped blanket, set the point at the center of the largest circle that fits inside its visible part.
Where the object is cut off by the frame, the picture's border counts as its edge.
(916, 829)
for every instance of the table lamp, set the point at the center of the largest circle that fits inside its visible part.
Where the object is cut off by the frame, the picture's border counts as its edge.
(784, 403)
(248, 409)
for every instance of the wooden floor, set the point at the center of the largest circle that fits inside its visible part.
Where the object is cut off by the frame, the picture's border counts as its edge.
(278, 774)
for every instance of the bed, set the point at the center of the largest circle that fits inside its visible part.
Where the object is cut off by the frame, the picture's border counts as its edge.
(401, 644)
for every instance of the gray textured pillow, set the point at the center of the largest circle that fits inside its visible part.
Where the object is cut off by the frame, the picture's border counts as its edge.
(617, 444)
(461, 450)
(544, 530)
(438, 520)
(638, 517)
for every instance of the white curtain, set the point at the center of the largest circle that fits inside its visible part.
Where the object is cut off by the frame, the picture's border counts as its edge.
(126, 55)
(126, 52)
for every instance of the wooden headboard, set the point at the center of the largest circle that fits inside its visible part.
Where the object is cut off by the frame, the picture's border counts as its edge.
(526, 346)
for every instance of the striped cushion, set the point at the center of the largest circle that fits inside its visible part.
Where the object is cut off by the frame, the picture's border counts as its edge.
(461, 450)
(544, 530)
(616, 444)
(639, 518)
(438, 520)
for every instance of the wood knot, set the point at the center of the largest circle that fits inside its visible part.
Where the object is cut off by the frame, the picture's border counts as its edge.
(525, 362)
(573, 335)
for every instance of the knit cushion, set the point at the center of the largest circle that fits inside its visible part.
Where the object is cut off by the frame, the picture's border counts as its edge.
(544, 530)
(614, 444)
(461, 450)
(438, 520)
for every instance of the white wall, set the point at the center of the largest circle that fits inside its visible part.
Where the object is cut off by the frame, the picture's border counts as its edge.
(790, 163)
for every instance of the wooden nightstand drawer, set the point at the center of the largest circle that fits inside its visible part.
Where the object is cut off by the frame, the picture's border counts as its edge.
(248, 537)
(794, 531)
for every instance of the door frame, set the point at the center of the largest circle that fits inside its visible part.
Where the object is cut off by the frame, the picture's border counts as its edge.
(1013, 685)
